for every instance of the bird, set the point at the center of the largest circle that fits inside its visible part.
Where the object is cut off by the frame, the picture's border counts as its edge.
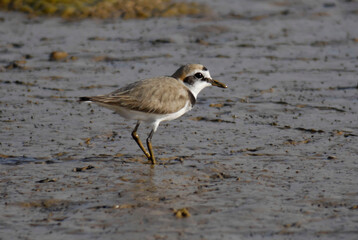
(158, 99)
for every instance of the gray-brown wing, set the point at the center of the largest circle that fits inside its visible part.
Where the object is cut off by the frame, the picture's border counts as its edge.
(160, 95)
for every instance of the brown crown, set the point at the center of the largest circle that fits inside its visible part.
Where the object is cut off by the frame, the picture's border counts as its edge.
(183, 71)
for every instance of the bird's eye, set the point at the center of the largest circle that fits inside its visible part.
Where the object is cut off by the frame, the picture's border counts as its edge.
(198, 75)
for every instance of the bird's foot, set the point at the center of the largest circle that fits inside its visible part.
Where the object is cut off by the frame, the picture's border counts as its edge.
(152, 160)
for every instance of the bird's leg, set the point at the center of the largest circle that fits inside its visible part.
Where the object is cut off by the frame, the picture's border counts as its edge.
(149, 144)
(138, 141)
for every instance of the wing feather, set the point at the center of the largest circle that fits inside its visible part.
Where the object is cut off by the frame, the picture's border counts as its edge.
(162, 95)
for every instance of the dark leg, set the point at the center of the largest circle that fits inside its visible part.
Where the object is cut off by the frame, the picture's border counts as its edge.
(149, 144)
(139, 142)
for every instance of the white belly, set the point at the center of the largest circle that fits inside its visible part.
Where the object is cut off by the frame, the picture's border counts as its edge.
(149, 118)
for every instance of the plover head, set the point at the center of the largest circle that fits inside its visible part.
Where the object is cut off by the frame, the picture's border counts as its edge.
(196, 77)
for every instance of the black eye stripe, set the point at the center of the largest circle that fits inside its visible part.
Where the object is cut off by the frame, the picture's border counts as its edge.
(189, 80)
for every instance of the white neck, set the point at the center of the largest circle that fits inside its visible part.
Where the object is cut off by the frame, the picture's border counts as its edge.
(197, 87)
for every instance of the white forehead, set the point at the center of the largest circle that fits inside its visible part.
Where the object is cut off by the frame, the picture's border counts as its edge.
(206, 73)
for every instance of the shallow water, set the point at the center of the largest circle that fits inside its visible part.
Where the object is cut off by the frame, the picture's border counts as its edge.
(274, 156)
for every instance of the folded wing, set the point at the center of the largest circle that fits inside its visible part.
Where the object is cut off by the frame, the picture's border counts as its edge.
(162, 95)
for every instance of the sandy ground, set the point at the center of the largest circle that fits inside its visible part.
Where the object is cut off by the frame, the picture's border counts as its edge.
(274, 156)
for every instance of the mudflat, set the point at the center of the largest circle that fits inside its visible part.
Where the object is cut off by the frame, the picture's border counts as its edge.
(273, 156)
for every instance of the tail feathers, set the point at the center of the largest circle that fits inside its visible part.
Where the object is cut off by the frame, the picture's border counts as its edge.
(85, 99)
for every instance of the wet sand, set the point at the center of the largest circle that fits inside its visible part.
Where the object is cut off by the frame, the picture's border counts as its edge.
(274, 156)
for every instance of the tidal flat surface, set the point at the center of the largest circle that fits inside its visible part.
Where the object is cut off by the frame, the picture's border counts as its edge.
(273, 156)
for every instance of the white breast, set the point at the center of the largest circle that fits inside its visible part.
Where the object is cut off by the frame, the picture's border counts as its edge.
(149, 118)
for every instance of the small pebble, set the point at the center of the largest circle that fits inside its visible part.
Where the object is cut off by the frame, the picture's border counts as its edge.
(58, 56)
